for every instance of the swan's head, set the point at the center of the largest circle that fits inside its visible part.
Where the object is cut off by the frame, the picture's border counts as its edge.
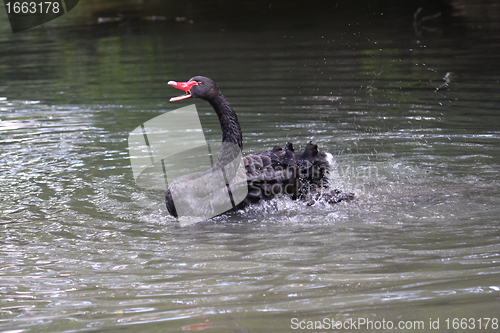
(198, 86)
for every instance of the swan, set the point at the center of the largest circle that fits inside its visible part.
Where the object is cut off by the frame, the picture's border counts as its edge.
(301, 175)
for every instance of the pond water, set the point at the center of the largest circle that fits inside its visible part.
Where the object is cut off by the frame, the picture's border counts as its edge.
(412, 118)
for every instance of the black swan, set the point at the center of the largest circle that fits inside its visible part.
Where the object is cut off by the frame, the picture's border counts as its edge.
(300, 175)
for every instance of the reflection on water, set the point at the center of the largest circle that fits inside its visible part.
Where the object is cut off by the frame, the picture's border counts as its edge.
(86, 250)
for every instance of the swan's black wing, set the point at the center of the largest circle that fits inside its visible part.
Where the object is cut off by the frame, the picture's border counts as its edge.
(300, 175)
(271, 173)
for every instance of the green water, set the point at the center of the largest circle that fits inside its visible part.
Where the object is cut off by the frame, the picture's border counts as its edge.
(84, 249)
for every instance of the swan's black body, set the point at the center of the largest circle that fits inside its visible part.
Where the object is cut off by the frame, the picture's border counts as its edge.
(300, 175)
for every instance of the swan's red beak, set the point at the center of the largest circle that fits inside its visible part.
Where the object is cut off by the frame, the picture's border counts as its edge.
(186, 86)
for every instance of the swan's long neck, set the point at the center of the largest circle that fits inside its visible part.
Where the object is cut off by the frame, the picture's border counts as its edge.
(231, 130)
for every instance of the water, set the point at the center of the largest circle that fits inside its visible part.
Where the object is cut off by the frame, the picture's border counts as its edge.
(86, 250)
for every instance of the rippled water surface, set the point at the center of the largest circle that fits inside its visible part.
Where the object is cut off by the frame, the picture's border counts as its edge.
(412, 119)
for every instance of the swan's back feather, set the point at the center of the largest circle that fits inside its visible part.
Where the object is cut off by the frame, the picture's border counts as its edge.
(282, 171)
